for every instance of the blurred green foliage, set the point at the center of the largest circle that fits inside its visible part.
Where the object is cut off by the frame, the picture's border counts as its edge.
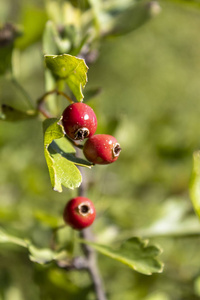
(150, 102)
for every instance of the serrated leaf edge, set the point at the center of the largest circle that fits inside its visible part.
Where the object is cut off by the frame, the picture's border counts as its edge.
(145, 244)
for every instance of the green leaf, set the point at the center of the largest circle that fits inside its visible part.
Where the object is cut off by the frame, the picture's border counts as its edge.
(52, 42)
(60, 158)
(64, 148)
(49, 43)
(52, 130)
(9, 113)
(71, 69)
(195, 183)
(135, 253)
(6, 238)
(41, 256)
(134, 17)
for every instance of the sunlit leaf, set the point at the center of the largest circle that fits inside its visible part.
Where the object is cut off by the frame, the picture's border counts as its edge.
(135, 253)
(195, 183)
(60, 158)
(71, 69)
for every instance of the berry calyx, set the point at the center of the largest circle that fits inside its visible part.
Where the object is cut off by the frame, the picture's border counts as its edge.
(79, 213)
(101, 149)
(79, 121)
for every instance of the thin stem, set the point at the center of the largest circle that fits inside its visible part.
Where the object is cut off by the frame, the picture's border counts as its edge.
(89, 252)
(65, 95)
(41, 101)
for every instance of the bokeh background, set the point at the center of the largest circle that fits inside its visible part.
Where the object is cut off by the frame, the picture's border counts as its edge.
(150, 102)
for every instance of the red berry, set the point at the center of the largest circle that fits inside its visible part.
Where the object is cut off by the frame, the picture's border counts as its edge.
(79, 213)
(101, 149)
(79, 121)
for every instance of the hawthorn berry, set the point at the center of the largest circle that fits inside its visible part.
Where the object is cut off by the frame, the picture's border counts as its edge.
(101, 149)
(79, 213)
(79, 121)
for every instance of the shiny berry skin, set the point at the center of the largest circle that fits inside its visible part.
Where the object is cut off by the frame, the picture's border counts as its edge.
(79, 121)
(79, 213)
(101, 149)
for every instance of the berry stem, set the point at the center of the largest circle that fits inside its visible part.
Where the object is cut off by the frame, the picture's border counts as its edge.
(92, 265)
(89, 252)
(65, 95)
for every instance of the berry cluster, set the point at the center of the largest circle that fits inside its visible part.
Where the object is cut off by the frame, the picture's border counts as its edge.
(80, 122)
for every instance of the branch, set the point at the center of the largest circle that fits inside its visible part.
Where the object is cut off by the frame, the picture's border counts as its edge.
(92, 265)
(89, 252)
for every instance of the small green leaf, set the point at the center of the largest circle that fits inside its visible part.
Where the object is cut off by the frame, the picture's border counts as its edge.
(9, 113)
(71, 69)
(45, 255)
(62, 172)
(52, 130)
(60, 158)
(134, 253)
(41, 256)
(195, 183)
